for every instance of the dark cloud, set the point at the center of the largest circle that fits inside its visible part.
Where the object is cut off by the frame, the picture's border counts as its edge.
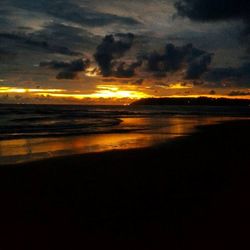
(55, 64)
(70, 36)
(69, 70)
(212, 92)
(67, 75)
(239, 93)
(221, 74)
(6, 53)
(126, 70)
(138, 82)
(4, 21)
(237, 76)
(193, 60)
(32, 41)
(216, 10)
(155, 62)
(76, 65)
(35, 31)
(73, 12)
(198, 67)
(113, 47)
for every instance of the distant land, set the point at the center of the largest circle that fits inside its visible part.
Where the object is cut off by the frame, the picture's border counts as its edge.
(191, 101)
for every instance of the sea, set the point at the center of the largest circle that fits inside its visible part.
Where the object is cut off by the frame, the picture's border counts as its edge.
(34, 132)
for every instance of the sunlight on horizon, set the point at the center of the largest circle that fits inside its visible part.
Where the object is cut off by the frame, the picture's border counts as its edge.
(113, 93)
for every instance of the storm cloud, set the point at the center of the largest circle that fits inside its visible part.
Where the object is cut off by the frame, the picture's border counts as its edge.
(32, 41)
(73, 12)
(216, 10)
(68, 70)
(239, 76)
(113, 47)
(198, 66)
(194, 61)
(5, 54)
(135, 43)
(125, 70)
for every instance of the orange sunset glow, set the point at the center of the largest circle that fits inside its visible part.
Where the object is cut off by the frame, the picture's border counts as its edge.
(113, 93)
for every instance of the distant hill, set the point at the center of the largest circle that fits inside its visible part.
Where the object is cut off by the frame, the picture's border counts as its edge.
(200, 101)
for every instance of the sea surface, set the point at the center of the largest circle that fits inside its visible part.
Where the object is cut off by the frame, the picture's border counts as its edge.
(32, 132)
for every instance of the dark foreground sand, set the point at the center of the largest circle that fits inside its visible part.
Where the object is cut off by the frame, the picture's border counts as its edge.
(193, 193)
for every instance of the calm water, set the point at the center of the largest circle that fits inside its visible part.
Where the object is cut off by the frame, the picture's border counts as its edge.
(31, 132)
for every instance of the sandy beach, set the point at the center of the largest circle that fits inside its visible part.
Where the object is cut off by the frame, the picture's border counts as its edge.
(191, 193)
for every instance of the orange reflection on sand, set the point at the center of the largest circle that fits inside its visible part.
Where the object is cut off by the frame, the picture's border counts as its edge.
(15, 147)
(33, 149)
(145, 132)
(176, 126)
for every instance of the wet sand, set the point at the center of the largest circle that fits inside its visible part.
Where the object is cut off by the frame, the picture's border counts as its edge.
(132, 133)
(191, 193)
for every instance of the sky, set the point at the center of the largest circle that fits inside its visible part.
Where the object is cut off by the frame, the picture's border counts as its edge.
(117, 51)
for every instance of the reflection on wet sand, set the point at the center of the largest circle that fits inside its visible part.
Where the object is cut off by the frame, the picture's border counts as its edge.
(147, 132)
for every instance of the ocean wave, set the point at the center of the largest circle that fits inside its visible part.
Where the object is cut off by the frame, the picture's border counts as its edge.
(44, 126)
(25, 121)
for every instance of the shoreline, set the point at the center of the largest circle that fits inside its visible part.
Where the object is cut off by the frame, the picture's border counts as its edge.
(159, 145)
(188, 194)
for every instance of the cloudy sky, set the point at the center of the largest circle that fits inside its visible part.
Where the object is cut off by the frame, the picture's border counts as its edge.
(115, 51)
